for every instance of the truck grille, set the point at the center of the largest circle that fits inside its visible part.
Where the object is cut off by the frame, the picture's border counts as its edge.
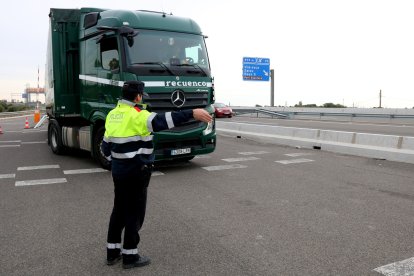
(161, 102)
(186, 126)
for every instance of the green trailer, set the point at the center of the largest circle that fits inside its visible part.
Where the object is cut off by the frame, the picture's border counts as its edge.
(91, 52)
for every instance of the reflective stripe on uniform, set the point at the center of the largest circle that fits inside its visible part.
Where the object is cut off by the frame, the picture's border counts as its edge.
(126, 102)
(132, 154)
(109, 158)
(169, 120)
(122, 140)
(114, 246)
(149, 121)
(130, 251)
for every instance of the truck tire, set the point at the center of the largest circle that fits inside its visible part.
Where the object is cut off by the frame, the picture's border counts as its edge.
(55, 137)
(97, 152)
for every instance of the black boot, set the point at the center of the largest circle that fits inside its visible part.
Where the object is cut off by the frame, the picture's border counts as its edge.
(135, 260)
(113, 256)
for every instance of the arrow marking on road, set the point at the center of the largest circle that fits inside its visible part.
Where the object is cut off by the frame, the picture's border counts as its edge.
(405, 267)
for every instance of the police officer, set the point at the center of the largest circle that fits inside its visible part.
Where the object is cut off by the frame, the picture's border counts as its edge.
(128, 144)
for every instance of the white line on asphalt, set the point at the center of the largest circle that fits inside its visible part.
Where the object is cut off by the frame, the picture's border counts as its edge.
(294, 161)
(9, 146)
(156, 173)
(240, 159)
(253, 152)
(12, 175)
(15, 141)
(38, 167)
(81, 171)
(402, 268)
(36, 142)
(26, 131)
(224, 167)
(40, 182)
(202, 157)
(297, 154)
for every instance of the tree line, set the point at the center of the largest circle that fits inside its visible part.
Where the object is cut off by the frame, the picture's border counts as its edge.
(11, 107)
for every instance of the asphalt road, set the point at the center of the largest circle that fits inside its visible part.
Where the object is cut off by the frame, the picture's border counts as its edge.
(246, 209)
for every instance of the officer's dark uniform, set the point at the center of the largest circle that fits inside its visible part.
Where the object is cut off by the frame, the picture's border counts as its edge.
(128, 144)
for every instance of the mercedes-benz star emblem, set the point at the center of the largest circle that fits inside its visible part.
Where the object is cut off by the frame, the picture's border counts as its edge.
(178, 98)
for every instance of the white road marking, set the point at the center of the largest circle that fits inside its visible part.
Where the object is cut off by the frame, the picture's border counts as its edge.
(202, 156)
(9, 146)
(253, 152)
(156, 173)
(240, 159)
(82, 171)
(402, 268)
(297, 154)
(224, 167)
(12, 175)
(42, 167)
(26, 131)
(40, 182)
(35, 142)
(15, 141)
(294, 161)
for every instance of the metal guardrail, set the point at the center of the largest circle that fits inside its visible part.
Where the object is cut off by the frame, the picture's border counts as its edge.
(272, 113)
(292, 114)
(331, 114)
(259, 110)
(18, 113)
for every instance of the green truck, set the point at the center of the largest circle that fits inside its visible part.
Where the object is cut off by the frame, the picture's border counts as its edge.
(91, 52)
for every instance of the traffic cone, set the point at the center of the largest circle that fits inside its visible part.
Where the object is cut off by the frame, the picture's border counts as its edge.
(26, 125)
(1, 130)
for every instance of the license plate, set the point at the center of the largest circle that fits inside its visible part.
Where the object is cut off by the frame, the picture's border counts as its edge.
(180, 151)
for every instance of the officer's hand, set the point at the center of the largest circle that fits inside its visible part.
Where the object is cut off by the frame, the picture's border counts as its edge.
(202, 115)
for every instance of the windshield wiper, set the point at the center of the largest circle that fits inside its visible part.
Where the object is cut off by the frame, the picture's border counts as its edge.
(158, 63)
(195, 66)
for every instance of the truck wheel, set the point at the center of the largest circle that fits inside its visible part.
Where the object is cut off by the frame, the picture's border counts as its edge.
(97, 152)
(55, 137)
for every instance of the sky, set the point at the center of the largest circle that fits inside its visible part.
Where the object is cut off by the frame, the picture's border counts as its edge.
(321, 51)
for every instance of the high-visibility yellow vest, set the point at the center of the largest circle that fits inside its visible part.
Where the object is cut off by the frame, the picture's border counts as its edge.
(128, 129)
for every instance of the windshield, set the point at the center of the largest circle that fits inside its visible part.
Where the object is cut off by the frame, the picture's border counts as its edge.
(167, 53)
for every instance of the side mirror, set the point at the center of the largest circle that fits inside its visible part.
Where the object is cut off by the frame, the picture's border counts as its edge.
(129, 33)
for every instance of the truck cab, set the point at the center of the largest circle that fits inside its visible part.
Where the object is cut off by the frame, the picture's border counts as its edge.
(91, 53)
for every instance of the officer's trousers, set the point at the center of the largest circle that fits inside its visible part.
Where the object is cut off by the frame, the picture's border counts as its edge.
(129, 208)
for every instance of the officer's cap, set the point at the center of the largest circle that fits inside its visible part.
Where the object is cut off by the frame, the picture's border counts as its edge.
(133, 87)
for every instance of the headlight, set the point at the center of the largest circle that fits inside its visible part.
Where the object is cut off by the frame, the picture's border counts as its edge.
(209, 128)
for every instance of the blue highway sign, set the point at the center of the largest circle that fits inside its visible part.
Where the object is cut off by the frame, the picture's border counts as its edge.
(256, 69)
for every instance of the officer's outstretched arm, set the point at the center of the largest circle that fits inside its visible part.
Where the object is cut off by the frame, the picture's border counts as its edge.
(161, 121)
(202, 115)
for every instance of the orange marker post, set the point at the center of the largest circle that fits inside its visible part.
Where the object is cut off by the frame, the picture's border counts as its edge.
(36, 117)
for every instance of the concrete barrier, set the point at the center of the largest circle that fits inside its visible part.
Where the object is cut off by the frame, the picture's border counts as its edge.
(389, 147)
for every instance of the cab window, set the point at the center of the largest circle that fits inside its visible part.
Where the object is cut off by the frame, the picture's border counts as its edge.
(109, 54)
